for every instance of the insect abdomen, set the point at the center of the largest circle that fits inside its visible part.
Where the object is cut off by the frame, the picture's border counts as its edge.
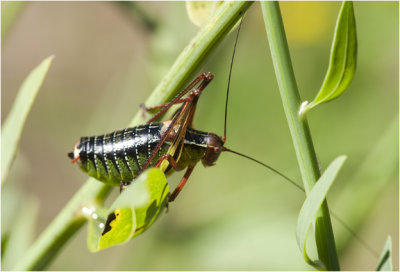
(120, 155)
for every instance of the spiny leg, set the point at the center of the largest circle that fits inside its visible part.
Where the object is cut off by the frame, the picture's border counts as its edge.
(183, 115)
(182, 183)
(147, 109)
(185, 177)
(144, 108)
(203, 78)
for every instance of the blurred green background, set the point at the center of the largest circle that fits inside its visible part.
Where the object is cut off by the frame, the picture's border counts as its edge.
(236, 215)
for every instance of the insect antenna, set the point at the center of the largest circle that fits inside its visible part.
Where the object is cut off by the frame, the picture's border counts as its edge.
(229, 77)
(265, 165)
(334, 215)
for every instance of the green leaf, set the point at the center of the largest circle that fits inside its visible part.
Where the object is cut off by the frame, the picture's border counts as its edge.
(200, 12)
(312, 204)
(13, 125)
(137, 207)
(343, 58)
(385, 261)
(119, 227)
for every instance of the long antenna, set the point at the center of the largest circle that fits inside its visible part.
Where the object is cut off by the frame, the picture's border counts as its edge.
(265, 165)
(347, 227)
(229, 78)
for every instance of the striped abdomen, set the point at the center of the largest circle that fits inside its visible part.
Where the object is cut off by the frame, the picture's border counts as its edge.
(119, 156)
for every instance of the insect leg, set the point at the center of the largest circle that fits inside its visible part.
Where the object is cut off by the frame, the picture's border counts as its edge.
(144, 108)
(204, 78)
(170, 159)
(181, 184)
(164, 138)
(184, 116)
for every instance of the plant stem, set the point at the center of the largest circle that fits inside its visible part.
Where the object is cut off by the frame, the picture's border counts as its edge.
(299, 128)
(70, 219)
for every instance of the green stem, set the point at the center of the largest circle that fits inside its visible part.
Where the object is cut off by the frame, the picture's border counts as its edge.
(299, 128)
(70, 219)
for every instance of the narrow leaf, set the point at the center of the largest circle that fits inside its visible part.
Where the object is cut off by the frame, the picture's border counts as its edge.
(137, 207)
(312, 204)
(13, 125)
(385, 261)
(343, 58)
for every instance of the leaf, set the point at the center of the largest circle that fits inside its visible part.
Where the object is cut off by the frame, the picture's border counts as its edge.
(343, 58)
(385, 261)
(14, 124)
(119, 227)
(137, 207)
(200, 12)
(312, 204)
